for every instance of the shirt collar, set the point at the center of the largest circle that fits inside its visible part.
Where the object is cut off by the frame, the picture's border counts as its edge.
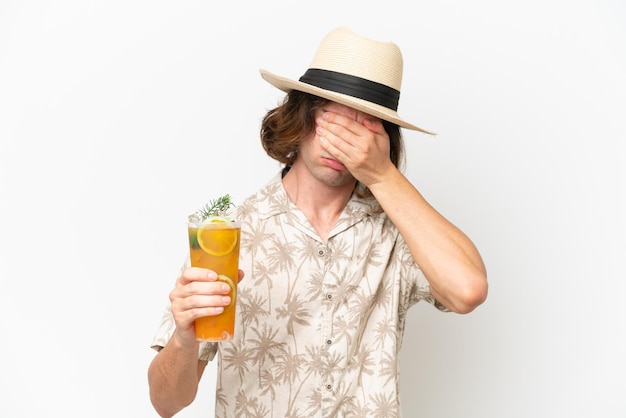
(273, 201)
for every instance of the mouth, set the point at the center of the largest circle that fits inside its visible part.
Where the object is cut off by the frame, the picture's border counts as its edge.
(334, 164)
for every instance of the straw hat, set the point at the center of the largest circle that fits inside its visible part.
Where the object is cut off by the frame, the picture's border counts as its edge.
(355, 71)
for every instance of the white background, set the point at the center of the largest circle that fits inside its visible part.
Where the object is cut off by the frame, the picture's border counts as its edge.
(118, 118)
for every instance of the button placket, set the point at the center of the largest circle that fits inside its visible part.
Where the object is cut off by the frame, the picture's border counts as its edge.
(324, 253)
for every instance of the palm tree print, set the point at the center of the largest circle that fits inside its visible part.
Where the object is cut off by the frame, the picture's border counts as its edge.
(385, 406)
(265, 346)
(237, 359)
(295, 312)
(319, 323)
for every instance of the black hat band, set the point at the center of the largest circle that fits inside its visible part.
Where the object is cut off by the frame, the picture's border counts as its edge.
(353, 86)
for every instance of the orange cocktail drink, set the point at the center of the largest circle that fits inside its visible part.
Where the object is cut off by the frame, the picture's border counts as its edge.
(214, 244)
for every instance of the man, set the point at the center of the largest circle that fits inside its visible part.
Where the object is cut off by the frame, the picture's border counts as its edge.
(335, 250)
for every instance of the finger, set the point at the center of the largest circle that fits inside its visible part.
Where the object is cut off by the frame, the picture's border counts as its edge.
(198, 274)
(201, 288)
(342, 125)
(199, 299)
(336, 128)
(335, 139)
(343, 144)
(375, 126)
(202, 303)
(185, 316)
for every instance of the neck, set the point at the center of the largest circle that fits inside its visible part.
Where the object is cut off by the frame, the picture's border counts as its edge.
(321, 203)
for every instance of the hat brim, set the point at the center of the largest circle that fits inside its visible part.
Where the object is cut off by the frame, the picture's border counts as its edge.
(372, 109)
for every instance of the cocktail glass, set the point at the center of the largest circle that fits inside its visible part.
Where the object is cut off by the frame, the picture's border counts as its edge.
(214, 245)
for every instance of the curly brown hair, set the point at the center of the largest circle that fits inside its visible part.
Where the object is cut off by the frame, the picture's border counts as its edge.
(284, 127)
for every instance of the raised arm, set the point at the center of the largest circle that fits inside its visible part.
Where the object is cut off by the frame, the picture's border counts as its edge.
(448, 258)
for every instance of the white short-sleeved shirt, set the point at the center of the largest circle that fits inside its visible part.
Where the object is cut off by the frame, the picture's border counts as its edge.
(319, 324)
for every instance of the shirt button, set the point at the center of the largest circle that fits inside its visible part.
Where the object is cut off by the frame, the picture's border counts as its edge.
(329, 296)
(329, 387)
(320, 253)
(329, 342)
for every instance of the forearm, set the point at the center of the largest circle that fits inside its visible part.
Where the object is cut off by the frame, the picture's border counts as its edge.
(448, 258)
(173, 376)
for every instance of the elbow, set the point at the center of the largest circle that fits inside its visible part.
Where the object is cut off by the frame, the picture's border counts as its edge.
(165, 411)
(465, 294)
(472, 296)
(164, 400)
(167, 405)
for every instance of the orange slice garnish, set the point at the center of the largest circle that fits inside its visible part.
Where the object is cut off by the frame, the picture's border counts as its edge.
(217, 242)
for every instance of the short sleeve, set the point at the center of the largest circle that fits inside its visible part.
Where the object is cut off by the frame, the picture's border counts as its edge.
(416, 286)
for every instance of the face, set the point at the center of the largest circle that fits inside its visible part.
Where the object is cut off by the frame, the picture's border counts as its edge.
(319, 163)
